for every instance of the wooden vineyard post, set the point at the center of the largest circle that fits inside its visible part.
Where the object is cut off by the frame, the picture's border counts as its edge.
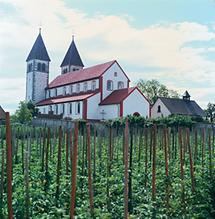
(89, 171)
(74, 172)
(43, 148)
(27, 195)
(203, 149)
(191, 161)
(166, 168)
(67, 152)
(94, 154)
(130, 198)
(146, 156)
(47, 161)
(2, 176)
(59, 165)
(126, 134)
(154, 165)
(210, 154)
(181, 168)
(196, 145)
(9, 166)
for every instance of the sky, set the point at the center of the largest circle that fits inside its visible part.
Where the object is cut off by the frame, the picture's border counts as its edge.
(170, 41)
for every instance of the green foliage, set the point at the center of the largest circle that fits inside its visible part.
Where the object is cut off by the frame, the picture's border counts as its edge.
(23, 114)
(170, 121)
(210, 112)
(154, 89)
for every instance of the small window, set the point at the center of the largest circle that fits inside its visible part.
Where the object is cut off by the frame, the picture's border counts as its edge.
(63, 108)
(109, 85)
(64, 90)
(93, 85)
(55, 91)
(56, 109)
(64, 70)
(85, 86)
(120, 85)
(115, 74)
(78, 88)
(48, 93)
(70, 108)
(43, 67)
(71, 89)
(159, 108)
(78, 108)
(50, 108)
(39, 66)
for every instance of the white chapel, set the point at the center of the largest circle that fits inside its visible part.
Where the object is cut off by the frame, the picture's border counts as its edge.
(97, 92)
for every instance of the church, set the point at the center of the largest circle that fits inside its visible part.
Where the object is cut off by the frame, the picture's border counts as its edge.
(97, 92)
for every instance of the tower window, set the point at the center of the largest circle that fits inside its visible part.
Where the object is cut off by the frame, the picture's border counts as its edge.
(109, 85)
(43, 67)
(64, 70)
(93, 85)
(115, 74)
(39, 66)
(159, 108)
(120, 85)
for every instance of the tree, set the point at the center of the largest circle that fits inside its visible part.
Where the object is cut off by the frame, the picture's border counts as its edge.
(154, 89)
(23, 113)
(34, 111)
(210, 112)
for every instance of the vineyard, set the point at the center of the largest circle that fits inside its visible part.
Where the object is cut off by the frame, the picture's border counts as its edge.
(124, 170)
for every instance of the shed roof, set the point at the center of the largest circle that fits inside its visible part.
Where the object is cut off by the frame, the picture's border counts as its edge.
(183, 107)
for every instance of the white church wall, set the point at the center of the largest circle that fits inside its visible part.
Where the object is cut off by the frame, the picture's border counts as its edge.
(93, 107)
(109, 111)
(109, 75)
(135, 102)
(164, 111)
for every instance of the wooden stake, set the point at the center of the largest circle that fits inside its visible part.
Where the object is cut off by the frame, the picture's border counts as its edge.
(9, 166)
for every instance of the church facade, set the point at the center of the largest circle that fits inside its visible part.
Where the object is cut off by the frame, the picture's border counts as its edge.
(98, 92)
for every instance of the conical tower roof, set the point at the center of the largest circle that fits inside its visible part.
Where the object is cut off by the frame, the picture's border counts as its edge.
(38, 50)
(72, 56)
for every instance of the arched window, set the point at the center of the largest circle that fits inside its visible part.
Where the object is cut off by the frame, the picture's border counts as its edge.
(70, 108)
(85, 86)
(39, 66)
(109, 85)
(56, 109)
(159, 108)
(64, 90)
(93, 85)
(43, 67)
(78, 108)
(63, 108)
(120, 85)
(78, 88)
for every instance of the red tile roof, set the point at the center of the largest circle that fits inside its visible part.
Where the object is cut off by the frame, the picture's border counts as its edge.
(117, 96)
(65, 99)
(81, 75)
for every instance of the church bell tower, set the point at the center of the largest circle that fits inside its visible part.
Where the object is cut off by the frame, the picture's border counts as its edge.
(37, 76)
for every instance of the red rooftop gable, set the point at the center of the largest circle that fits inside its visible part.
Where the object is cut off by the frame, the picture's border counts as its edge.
(81, 75)
(117, 96)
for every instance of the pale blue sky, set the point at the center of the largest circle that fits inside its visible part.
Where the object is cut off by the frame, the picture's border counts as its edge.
(172, 41)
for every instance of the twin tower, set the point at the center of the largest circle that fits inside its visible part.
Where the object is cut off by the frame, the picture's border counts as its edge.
(37, 77)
